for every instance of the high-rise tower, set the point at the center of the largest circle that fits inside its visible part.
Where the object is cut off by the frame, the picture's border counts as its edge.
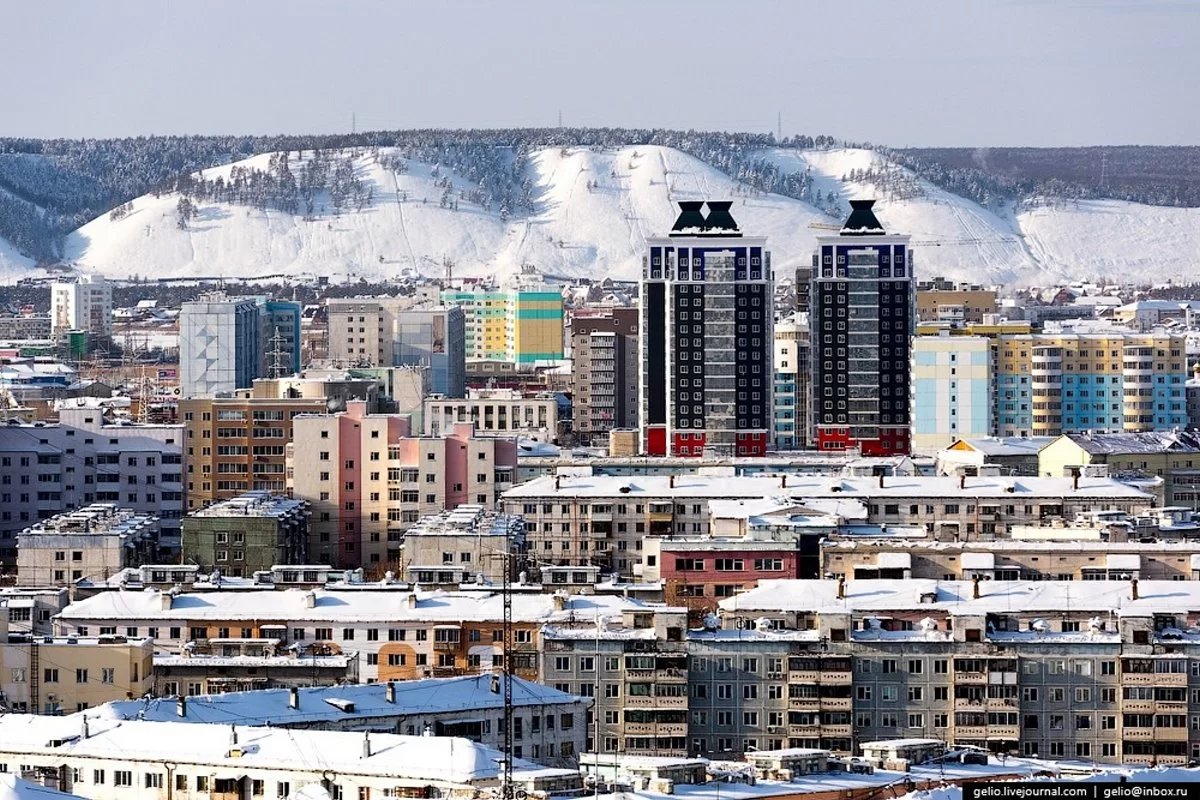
(706, 338)
(861, 325)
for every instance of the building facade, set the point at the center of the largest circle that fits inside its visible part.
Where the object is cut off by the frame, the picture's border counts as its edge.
(467, 545)
(940, 300)
(1049, 384)
(220, 345)
(247, 534)
(521, 326)
(604, 375)
(87, 457)
(706, 338)
(385, 332)
(91, 543)
(84, 304)
(861, 323)
(238, 444)
(496, 412)
(1173, 456)
(952, 395)
(369, 478)
(793, 371)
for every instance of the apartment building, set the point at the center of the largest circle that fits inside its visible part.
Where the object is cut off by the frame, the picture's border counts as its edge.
(1173, 456)
(635, 669)
(89, 456)
(386, 332)
(467, 545)
(106, 759)
(56, 675)
(604, 374)
(792, 378)
(706, 338)
(392, 634)
(82, 304)
(952, 393)
(238, 444)
(941, 300)
(1049, 384)
(497, 412)
(549, 725)
(244, 665)
(521, 325)
(247, 534)
(602, 520)
(25, 327)
(862, 321)
(1082, 554)
(91, 543)
(368, 478)
(1011, 455)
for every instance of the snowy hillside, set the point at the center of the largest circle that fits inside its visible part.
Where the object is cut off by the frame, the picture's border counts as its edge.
(13, 265)
(594, 210)
(577, 230)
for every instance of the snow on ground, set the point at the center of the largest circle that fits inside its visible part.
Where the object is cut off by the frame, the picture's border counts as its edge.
(576, 231)
(602, 230)
(1115, 239)
(954, 237)
(13, 265)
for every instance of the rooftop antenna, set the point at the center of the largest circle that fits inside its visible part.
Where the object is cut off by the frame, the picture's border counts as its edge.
(779, 126)
(353, 122)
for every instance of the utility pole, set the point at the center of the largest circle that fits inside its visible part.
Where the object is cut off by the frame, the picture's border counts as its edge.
(353, 122)
(779, 126)
(275, 366)
(506, 786)
(560, 118)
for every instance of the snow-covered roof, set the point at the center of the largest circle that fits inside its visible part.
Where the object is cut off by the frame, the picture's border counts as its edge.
(469, 693)
(802, 488)
(984, 560)
(1009, 445)
(366, 606)
(1145, 443)
(956, 597)
(441, 759)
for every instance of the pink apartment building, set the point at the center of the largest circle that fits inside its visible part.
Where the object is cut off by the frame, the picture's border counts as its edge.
(369, 478)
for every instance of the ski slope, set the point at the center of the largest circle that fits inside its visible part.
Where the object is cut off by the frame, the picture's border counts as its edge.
(13, 265)
(595, 210)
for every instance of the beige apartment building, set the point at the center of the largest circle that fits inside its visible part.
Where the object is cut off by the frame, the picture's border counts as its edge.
(496, 412)
(940, 300)
(469, 545)
(90, 543)
(63, 674)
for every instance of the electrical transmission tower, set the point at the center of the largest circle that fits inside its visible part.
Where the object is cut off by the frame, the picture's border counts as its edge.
(275, 365)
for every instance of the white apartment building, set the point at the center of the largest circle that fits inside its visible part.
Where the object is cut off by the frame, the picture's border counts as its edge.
(92, 543)
(603, 519)
(496, 412)
(106, 759)
(84, 304)
(467, 545)
(395, 635)
(87, 457)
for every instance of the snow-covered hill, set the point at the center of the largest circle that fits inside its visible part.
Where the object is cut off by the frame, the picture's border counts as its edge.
(595, 209)
(13, 265)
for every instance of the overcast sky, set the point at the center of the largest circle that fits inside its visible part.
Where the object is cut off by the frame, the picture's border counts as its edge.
(900, 72)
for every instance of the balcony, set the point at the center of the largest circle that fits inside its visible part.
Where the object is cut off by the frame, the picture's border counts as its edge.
(1001, 703)
(807, 703)
(446, 646)
(669, 702)
(639, 728)
(808, 677)
(835, 731)
(1171, 734)
(970, 731)
(1139, 734)
(804, 731)
(970, 677)
(1154, 679)
(1004, 732)
(836, 703)
(671, 729)
(1137, 706)
(966, 704)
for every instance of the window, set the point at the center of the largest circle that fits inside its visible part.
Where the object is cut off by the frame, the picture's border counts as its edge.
(122, 777)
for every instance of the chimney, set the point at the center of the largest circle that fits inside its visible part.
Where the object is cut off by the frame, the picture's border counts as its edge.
(560, 602)
(557, 482)
(233, 736)
(841, 590)
(85, 732)
(975, 587)
(294, 698)
(495, 684)
(366, 745)
(1075, 478)
(412, 600)
(962, 481)
(880, 480)
(390, 693)
(783, 481)
(310, 599)
(181, 707)
(165, 598)
(1133, 588)
(672, 479)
